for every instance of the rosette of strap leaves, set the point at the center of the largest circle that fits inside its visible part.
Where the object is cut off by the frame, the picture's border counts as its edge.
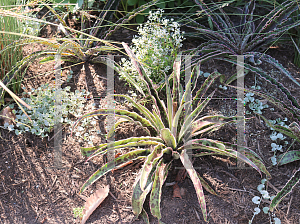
(173, 133)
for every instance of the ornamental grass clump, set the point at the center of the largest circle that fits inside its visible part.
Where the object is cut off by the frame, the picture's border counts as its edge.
(175, 129)
(156, 48)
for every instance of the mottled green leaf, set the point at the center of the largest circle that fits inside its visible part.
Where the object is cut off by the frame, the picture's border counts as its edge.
(288, 157)
(100, 149)
(144, 216)
(47, 59)
(285, 190)
(169, 103)
(155, 155)
(155, 196)
(144, 122)
(156, 122)
(258, 163)
(137, 154)
(206, 185)
(206, 85)
(190, 118)
(218, 147)
(158, 103)
(196, 181)
(168, 138)
(139, 196)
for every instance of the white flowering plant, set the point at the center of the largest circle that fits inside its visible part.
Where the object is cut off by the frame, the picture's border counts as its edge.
(156, 48)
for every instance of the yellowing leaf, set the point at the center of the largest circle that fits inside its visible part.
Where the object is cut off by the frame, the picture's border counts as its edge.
(93, 202)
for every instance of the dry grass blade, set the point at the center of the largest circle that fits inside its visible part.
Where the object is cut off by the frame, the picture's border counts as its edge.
(93, 202)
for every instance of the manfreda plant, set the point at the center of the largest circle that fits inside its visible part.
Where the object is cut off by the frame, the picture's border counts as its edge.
(172, 134)
(84, 46)
(250, 36)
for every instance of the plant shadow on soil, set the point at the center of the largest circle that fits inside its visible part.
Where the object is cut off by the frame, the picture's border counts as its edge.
(32, 191)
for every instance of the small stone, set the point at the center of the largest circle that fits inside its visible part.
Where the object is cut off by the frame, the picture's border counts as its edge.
(7, 116)
(182, 191)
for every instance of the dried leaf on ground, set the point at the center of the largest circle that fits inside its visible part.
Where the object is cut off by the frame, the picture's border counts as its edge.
(7, 116)
(176, 191)
(93, 202)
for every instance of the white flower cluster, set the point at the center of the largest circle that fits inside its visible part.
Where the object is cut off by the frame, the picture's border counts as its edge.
(156, 47)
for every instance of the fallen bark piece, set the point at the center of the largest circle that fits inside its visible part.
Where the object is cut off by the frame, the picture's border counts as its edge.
(93, 202)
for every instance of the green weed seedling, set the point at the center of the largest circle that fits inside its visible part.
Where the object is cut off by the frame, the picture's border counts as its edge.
(78, 212)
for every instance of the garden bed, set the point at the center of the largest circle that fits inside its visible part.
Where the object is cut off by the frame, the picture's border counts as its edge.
(33, 191)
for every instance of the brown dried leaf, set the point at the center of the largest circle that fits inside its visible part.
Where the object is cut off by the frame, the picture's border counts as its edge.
(176, 191)
(93, 202)
(7, 116)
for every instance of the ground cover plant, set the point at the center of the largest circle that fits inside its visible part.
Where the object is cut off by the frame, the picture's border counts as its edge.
(172, 134)
(39, 119)
(289, 156)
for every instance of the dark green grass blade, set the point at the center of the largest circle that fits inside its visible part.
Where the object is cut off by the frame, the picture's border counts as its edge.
(130, 15)
(105, 15)
(285, 190)
(137, 154)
